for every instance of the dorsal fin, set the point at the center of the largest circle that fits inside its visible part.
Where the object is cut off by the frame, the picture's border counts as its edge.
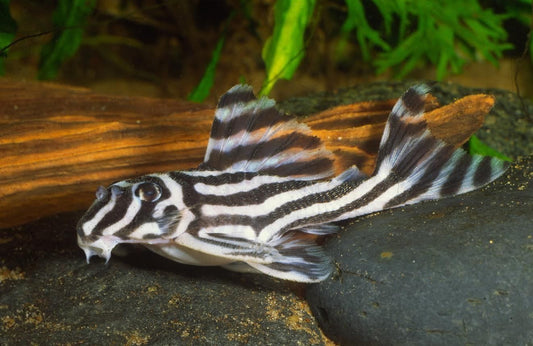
(251, 135)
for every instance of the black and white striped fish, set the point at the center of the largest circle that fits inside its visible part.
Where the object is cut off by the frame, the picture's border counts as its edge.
(266, 184)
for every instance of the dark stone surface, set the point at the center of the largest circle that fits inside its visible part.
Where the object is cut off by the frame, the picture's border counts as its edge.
(50, 295)
(458, 271)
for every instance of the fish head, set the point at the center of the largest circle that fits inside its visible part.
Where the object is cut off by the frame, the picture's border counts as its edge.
(139, 211)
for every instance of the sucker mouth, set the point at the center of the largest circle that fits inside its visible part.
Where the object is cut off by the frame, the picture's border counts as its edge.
(101, 247)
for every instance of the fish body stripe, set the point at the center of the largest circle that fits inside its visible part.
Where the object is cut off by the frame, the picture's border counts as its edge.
(266, 186)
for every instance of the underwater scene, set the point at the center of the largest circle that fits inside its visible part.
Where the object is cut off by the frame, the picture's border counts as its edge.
(334, 172)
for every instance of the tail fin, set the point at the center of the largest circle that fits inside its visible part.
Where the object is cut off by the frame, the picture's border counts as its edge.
(428, 167)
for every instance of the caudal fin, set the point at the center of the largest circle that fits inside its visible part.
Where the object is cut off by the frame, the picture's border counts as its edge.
(427, 167)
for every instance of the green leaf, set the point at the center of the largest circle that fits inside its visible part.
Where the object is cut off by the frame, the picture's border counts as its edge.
(284, 50)
(70, 17)
(365, 34)
(445, 33)
(206, 83)
(476, 146)
(8, 28)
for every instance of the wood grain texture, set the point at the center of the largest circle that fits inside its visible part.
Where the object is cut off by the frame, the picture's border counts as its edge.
(59, 143)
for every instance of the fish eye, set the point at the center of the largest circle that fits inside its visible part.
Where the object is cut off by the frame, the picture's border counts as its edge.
(148, 192)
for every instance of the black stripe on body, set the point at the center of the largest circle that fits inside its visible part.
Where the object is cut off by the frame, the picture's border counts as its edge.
(255, 196)
(190, 196)
(214, 179)
(169, 220)
(317, 198)
(237, 245)
(143, 216)
(221, 220)
(193, 199)
(116, 214)
(89, 215)
(336, 193)
(261, 193)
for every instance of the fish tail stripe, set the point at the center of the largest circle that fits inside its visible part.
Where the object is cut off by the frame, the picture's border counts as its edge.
(483, 171)
(455, 178)
(427, 167)
(421, 155)
(397, 134)
(412, 166)
(405, 119)
(463, 173)
(426, 180)
(413, 100)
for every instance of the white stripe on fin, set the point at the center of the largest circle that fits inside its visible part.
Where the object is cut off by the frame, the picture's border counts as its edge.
(427, 167)
(298, 258)
(251, 135)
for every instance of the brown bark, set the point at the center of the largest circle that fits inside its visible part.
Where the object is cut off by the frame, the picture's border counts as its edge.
(58, 143)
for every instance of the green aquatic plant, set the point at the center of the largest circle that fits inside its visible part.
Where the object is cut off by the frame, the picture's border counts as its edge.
(476, 146)
(396, 35)
(401, 35)
(69, 18)
(8, 29)
(284, 50)
(201, 91)
(445, 33)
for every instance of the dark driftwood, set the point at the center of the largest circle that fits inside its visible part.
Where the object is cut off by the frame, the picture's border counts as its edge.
(58, 143)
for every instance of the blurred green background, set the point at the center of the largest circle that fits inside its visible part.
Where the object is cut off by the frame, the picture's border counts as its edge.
(197, 49)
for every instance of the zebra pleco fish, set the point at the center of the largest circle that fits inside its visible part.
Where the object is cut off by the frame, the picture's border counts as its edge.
(267, 184)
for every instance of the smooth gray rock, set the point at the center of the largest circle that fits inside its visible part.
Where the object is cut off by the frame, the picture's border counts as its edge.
(458, 271)
(49, 295)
